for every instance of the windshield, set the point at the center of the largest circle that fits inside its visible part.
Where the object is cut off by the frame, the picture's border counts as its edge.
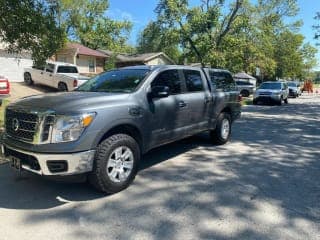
(122, 80)
(275, 85)
(292, 84)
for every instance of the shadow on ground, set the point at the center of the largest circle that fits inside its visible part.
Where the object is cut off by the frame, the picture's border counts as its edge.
(264, 184)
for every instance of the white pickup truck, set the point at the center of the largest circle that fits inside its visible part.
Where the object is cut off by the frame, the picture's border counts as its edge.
(60, 75)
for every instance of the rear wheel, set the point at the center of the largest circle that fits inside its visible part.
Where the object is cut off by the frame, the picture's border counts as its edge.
(116, 163)
(27, 79)
(62, 87)
(221, 133)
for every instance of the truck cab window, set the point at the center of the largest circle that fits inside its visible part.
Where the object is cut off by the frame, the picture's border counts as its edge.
(50, 68)
(193, 80)
(169, 78)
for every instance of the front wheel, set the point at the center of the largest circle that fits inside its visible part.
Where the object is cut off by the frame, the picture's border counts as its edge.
(222, 132)
(115, 164)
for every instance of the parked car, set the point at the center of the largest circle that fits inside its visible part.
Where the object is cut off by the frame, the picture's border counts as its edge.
(246, 88)
(104, 126)
(294, 89)
(4, 88)
(272, 92)
(59, 75)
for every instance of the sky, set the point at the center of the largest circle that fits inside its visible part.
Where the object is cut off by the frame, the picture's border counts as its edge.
(140, 12)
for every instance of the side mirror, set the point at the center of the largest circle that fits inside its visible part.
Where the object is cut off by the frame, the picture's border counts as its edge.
(160, 91)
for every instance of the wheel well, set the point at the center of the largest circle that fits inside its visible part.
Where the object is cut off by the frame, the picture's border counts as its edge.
(226, 110)
(128, 129)
(63, 83)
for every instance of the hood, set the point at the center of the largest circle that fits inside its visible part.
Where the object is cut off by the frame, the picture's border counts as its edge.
(68, 102)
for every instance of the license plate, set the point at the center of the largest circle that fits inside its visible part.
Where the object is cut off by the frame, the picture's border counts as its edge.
(15, 163)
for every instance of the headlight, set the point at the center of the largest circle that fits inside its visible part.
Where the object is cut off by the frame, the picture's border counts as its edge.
(70, 128)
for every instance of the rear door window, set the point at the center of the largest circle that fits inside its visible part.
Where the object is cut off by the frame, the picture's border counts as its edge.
(193, 80)
(50, 68)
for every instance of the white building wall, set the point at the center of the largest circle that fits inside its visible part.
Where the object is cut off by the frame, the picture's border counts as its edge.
(13, 68)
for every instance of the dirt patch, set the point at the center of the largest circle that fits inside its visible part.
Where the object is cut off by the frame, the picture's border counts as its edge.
(20, 90)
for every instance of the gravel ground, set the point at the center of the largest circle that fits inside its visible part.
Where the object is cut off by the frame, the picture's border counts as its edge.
(264, 184)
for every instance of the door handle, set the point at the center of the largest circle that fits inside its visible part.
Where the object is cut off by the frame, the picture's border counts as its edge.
(182, 104)
(41, 73)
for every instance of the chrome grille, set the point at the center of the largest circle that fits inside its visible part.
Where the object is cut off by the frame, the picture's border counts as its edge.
(265, 93)
(47, 126)
(21, 125)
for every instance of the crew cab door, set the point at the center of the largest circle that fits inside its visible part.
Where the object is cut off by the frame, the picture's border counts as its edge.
(48, 76)
(167, 114)
(198, 100)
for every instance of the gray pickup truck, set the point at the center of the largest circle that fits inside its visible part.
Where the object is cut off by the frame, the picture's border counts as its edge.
(103, 127)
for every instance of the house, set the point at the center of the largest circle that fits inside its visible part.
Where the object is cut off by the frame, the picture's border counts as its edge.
(124, 60)
(88, 61)
(13, 64)
(245, 77)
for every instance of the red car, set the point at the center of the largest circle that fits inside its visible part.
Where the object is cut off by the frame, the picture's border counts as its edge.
(4, 88)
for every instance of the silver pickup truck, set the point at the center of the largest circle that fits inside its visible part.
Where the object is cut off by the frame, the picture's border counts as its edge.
(104, 126)
(59, 75)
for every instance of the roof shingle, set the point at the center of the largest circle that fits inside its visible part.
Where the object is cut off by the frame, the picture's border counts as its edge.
(83, 50)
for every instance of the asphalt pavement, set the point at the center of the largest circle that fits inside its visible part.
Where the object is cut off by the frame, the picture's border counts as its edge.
(263, 184)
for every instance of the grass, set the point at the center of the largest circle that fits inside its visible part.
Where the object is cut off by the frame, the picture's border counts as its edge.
(5, 102)
(246, 101)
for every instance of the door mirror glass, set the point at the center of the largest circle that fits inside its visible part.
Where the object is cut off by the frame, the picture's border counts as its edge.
(160, 91)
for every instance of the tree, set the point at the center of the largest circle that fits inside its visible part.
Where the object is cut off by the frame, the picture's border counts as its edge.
(202, 29)
(316, 27)
(30, 25)
(86, 21)
(156, 39)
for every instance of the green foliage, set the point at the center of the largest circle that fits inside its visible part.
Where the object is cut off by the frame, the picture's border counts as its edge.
(249, 35)
(30, 25)
(43, 26)
(86, 21)
(155, 39)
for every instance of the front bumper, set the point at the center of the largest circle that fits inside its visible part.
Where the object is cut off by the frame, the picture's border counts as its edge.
(265, 98)
(51, 164)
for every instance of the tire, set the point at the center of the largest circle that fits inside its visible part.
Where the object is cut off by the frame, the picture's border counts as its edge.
(27, 79)
(245, 93)
(107, 166)
(280, 101)
(221, 134)
(254, 102)
(62, 87)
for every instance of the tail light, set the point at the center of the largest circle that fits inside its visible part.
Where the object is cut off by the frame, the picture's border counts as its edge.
(4, 86)
(75, 83)
(239, 98)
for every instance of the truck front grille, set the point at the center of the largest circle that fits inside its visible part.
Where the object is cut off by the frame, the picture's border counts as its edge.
(21, 125)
